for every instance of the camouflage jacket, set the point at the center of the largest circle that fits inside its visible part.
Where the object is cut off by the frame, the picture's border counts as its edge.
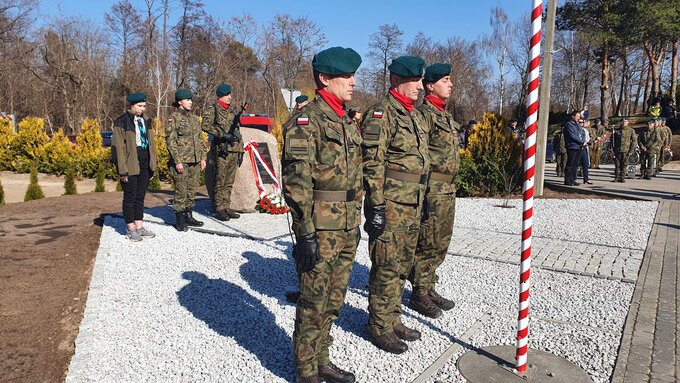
(442, 145)
(623, 140)
(218, 121)
(648, 140)
(183, 137)
(663, 136)
(558, 142)
(321, 169)
(394, 148)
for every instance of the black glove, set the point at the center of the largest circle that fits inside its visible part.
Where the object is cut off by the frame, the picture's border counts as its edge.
(239, 160)
(306, 252)
(237, 135)
(425, 212)
(229, 138)
(375, 220)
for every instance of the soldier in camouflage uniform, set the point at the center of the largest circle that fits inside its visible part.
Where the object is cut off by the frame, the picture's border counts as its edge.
(622, 142)
(437, 227)
(649, 146)
(665, 136)
(396, 166)
(599, 131)
(226, 150)
(321, 168)
(560, 150)
(187, 158)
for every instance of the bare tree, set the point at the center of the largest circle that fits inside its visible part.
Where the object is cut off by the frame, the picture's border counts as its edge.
(496, 45)
(384, 46)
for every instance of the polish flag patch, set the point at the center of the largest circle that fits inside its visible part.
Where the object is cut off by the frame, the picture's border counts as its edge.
(378, 114)
(303, 120)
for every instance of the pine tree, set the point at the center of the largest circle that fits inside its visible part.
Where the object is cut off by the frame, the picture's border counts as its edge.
(70, 183)
(99, 186)
(34, 191)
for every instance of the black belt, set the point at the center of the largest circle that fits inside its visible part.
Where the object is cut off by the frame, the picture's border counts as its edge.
(334, 196)
(406, 177)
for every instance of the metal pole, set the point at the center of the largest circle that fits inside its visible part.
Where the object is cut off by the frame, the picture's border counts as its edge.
(544, 97)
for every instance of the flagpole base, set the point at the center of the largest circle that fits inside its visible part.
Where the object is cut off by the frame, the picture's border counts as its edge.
(497, 364)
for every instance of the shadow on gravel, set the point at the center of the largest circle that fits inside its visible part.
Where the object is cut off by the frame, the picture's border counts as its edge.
(271, 277)
(232, 312)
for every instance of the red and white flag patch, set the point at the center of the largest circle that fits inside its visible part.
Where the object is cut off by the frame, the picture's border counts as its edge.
(378, 114)
(303, 120)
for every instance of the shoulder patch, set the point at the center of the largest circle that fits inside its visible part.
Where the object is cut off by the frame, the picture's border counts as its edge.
(302, 119)
(377, 113)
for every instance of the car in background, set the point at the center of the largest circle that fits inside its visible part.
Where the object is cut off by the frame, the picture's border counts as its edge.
(106, 139)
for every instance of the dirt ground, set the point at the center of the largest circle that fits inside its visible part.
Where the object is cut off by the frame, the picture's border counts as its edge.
(44, 279)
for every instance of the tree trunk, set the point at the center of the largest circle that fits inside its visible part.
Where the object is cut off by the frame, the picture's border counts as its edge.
(648, 83)
(674, 70)
(604, 88)
(586, 79)
(624, 75)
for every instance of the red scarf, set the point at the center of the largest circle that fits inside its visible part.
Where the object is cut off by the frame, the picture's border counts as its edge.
(222, 104)
(403, 100)
(436, 102)
(333, 101)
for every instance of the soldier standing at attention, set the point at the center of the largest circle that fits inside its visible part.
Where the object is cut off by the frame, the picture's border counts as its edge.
(599, 132)
(622, 142)
(437, 227)
(647, 142)
(396, 166)
(227, 149)
(187, 158)
(321, 170)
(665, 136)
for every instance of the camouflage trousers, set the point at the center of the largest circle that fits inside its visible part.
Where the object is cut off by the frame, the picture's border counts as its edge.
(322, 295)
(433, 242)
(647, 163)
(185, 186)
(225, 173)
(560, 163)
(620, 165)
(659, 159)
(392, 257)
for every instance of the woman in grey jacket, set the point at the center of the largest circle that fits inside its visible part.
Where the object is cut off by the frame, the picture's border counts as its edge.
(133, 150)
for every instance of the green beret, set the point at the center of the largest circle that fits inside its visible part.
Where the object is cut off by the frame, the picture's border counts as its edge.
(136, 97)
(336, 61)
(223, 90)
(652, 121)
(407, 66)
(300, 99)
(435, 72)
(183, 94)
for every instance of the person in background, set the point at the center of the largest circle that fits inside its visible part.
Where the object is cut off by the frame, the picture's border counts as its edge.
(560, 150)
(647, 142)
(623, 143)
(133, 150)
(301, 101)
(465, 132)
(585, 152)
(574, 139)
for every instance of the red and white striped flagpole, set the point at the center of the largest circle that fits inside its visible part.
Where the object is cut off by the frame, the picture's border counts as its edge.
(528, 188)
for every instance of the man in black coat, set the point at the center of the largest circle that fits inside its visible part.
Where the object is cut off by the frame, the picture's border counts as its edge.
(574, 139)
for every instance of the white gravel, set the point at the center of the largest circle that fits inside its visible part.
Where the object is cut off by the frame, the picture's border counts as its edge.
(206, 308)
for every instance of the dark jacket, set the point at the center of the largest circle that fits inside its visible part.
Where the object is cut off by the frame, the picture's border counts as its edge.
(574, 137)
(124, 145)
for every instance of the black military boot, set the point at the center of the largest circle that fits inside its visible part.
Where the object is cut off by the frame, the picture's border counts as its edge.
(221, 216)
(406, 333)
(389, 342)
(232, 214)
(440, 301)
(191, 221)
(309, 379)
(333, 374)
(180, 222)
(423, 304)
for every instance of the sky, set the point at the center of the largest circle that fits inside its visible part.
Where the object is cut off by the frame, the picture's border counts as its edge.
(348, 26)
